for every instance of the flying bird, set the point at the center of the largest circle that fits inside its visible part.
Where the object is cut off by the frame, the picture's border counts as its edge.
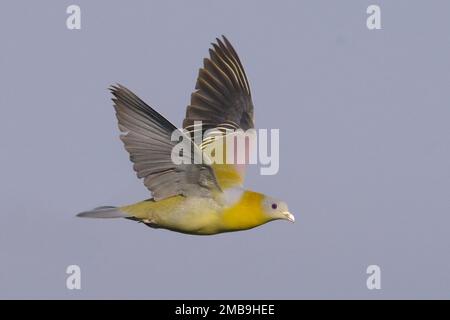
(198, 198)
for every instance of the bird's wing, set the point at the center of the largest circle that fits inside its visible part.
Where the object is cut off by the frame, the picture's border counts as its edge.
(147, 138)
(222, 101)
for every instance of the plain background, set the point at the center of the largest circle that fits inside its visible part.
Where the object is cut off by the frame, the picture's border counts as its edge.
(365, 148)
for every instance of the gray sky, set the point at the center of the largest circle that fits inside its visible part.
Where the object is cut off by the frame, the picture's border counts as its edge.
(365, 148)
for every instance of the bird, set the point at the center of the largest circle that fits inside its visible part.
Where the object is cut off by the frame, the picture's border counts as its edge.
(204, 197)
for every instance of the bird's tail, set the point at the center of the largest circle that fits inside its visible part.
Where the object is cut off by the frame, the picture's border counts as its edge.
(105, 212)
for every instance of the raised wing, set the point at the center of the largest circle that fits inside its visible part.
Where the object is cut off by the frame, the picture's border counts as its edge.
(222, 97)
(222, 102)
(147, 138)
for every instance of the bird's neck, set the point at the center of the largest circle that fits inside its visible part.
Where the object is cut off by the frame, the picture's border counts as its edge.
(246, 213)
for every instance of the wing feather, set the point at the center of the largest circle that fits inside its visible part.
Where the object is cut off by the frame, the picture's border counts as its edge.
(147, 138)
(222, 102)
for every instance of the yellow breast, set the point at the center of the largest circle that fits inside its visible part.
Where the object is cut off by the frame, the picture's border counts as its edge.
(245, 214)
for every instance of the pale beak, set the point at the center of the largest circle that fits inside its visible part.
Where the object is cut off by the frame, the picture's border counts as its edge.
(289, 216)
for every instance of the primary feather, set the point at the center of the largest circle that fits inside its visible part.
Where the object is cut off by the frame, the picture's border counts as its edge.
(222, 96)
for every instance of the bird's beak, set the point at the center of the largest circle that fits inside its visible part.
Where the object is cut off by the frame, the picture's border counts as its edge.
(289, 216)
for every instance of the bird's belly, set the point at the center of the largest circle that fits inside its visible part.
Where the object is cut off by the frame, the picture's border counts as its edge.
(199, 223)
(186, 215)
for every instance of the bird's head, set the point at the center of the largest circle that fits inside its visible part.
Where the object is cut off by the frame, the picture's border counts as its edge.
(276, 209)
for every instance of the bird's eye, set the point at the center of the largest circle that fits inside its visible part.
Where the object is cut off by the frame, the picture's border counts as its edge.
(274, 206)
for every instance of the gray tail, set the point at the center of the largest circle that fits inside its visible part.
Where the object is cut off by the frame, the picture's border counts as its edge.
(105, 212)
